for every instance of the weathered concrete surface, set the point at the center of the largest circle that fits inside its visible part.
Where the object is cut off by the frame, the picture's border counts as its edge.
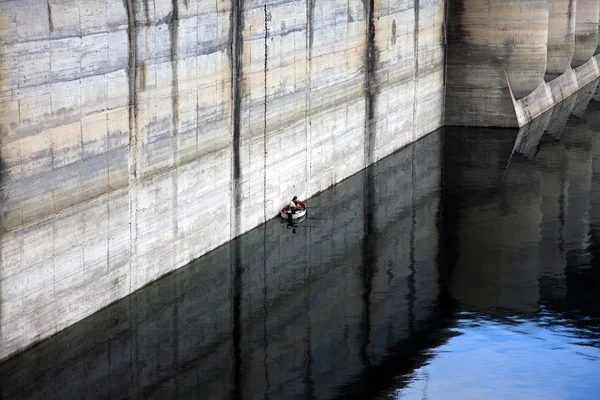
(334, 303)
(586, 31)
(138, 135)
(561, 37)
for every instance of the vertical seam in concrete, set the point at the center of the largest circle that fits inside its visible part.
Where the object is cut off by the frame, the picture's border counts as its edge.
(173, 32)
(196, 75)
(236, 48)
(416, 70)
(132, 111)
(370, 83)
(266, 69)
(310, 5)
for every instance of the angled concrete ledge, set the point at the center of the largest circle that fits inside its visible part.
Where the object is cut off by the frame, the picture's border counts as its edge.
(549, 94)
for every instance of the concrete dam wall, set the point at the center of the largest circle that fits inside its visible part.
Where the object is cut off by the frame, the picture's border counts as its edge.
(138, 135)
(509, 61)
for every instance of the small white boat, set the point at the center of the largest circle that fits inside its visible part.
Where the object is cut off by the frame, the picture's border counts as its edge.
(298, 213)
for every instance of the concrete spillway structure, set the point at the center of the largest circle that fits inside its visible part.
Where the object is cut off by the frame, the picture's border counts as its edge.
(491, 45)
(139, 135)
(510, 61)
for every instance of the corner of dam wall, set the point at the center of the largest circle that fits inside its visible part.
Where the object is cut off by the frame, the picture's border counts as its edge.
(138, 135)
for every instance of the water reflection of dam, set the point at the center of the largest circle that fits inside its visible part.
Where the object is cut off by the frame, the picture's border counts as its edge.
(272, 313)
(520, 205)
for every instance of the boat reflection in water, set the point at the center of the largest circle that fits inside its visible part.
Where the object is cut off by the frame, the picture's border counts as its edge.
(464, 266)
(293, 224)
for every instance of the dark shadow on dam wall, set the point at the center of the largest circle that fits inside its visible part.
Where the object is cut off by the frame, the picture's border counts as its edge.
(311, 314)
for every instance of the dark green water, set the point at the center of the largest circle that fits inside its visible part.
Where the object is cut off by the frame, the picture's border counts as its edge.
(465, 266)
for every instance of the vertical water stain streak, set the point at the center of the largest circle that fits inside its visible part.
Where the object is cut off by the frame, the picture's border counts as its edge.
(174, 36)
(132, 162)
(50, 22)
(132, 80)
(146, 12)
(310, 25)
(416, 70)
(236, 45)
(371, 84)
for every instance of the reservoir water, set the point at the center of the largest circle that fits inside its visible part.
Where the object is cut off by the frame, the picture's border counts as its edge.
(465, 266)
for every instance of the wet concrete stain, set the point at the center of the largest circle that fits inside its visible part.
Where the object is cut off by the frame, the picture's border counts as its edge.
(132, 76)
(416, 68)
(236, 45)
(371, 84)
(310, 28)
(146, 11)
(143, 74)
(571, 19)
(50, 22)
(394, 32)
(455, 13)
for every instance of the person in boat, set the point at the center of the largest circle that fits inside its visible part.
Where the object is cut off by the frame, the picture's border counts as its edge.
(294, 205)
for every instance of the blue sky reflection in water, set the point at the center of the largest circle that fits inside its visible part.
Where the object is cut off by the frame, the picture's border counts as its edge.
(464, 266)
(517, 359)
(525, 278)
